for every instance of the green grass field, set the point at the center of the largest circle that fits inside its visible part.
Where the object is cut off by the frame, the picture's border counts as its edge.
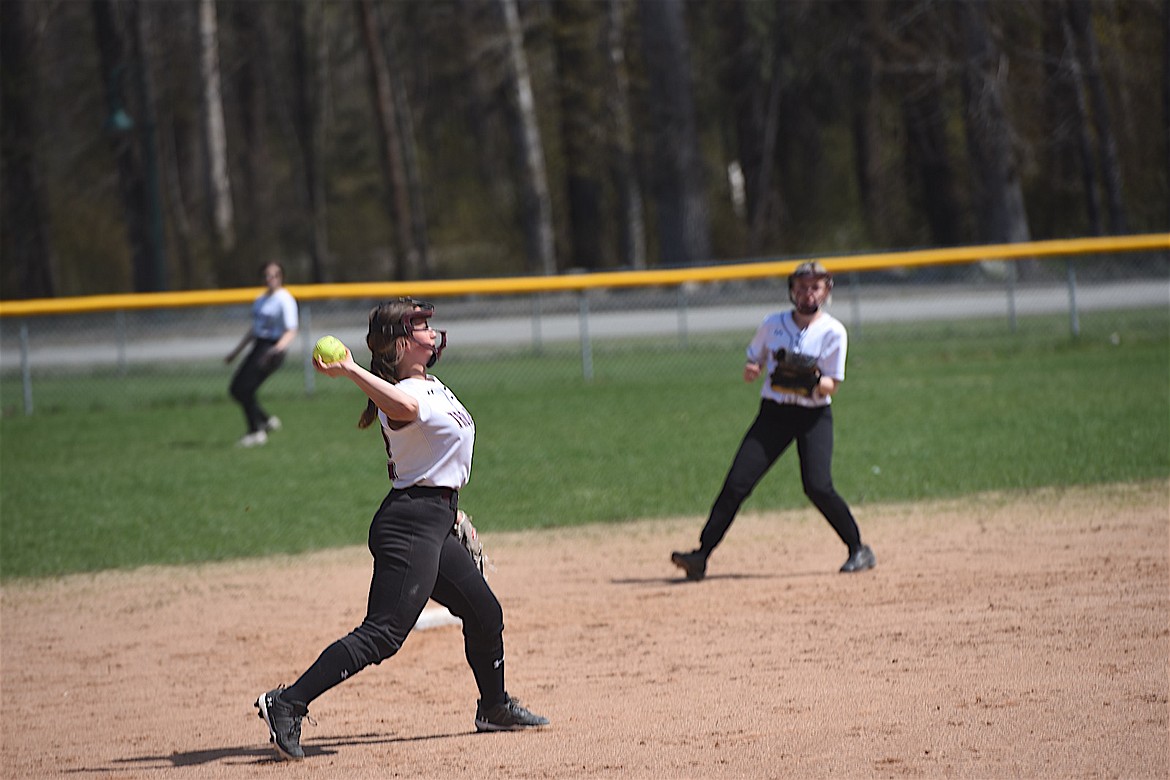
(927, 411)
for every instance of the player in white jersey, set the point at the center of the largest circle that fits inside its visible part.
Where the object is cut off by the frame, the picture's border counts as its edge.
(274, 326)
(802, 354)
(429, 438)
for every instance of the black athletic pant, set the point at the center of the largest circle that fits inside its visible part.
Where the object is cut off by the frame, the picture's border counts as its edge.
(250, 375)
(416, 557)
(774, 429)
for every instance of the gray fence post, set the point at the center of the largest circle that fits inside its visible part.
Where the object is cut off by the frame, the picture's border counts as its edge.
(1010, 276)
(1074, 317)
(120, 337)
(855, 301)
(307, 344)
(586, 345)
(25, 370)
(537, 342)
(682, 315)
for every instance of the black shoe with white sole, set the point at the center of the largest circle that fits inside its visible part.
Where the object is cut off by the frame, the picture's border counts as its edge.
(284, 723)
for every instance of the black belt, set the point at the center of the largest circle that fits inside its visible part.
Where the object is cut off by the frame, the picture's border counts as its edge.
(425, 491)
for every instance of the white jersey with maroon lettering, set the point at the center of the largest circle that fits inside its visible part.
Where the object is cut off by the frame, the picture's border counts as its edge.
(824, 338)
(434, 449)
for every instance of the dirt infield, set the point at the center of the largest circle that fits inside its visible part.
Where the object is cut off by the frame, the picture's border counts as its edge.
(1022, 635)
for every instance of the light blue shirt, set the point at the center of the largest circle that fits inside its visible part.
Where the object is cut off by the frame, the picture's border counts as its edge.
(273, 314)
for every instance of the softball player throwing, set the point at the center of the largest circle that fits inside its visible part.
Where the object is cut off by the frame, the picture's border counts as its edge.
(429, 437)
(803, 354)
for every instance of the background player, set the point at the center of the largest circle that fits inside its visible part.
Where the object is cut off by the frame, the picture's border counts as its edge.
(429, 439)
(803, 353)
(274, 326)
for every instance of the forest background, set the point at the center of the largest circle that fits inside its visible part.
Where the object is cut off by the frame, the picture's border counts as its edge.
(177, 144)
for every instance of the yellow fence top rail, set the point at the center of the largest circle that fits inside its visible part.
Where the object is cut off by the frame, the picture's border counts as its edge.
(607, 279)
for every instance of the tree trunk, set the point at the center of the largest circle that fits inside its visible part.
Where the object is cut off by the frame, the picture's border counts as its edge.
(632, 227)
(215, 132)
(29, 262)
(139, 198)
(420, 238)
(929, 159)
(1063, 125)
(177, 213)
(1080, 17)
(166, 56)
(255, 196)
(998, 194)
(157, 278)
(874, 184)
(749, 98)
(1079, 123)
(536, 204)
(389, 142)
(576, 36)
(309, 50)
(769, 201)
(679, 187)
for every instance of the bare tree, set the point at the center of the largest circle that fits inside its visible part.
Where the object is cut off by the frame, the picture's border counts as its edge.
(164, 52)
(999, 196)
(632, 227)
(929, 157)
(256, 209)
(389, 140)
(874, 183)
(1089, 58)
(215, 133)
(136, 162)
(1068, 153)
(536, 203)
(576, 33)
(744, 81)
(309, 55)
(29, 261)
(915, 47)
(678, 183)
(420, 239)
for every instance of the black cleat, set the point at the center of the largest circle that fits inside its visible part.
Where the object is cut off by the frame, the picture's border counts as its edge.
(859, 560)
(284, 723)
(509, 715)
(693, 563)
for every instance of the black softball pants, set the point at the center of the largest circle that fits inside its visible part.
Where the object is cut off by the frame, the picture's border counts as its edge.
(774, 429)
(416, 558)
(260, 364)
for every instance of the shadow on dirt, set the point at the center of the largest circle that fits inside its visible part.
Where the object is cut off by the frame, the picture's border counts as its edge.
(260, 755)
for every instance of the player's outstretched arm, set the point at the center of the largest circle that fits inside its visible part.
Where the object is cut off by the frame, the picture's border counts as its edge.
(398, 405)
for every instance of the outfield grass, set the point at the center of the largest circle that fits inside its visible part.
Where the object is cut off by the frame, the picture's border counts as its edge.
(927, 411)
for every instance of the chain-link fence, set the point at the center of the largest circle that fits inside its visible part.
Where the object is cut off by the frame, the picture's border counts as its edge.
(174, 356)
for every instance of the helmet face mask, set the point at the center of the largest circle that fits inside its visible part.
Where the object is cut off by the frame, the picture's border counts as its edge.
(810, 272)
(417, 318)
